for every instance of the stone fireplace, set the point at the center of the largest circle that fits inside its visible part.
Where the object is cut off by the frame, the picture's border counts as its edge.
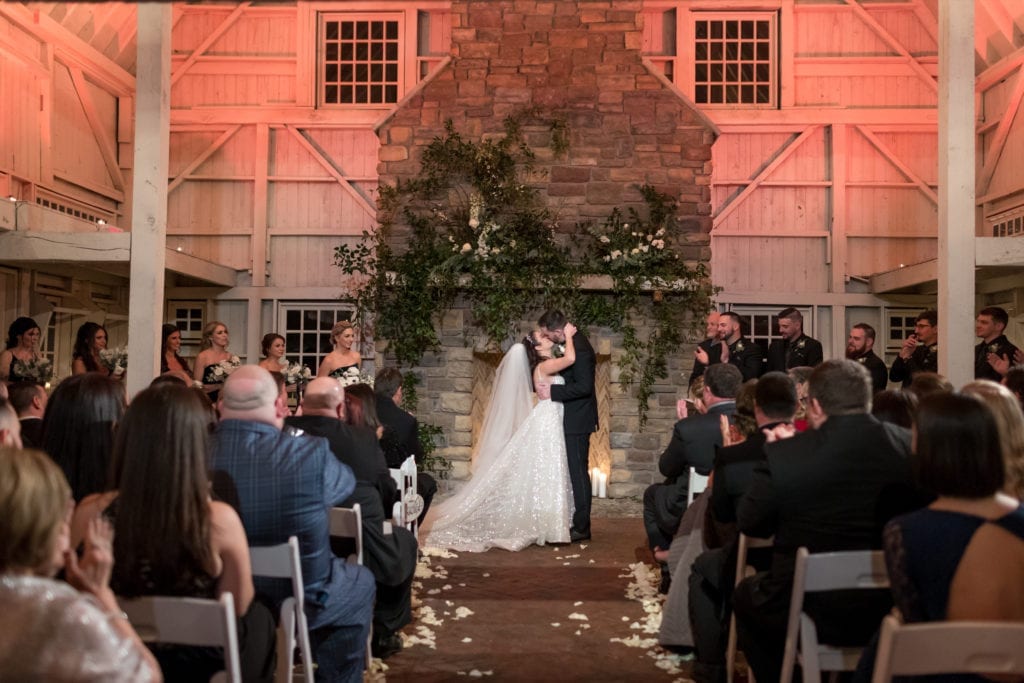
(627, 126)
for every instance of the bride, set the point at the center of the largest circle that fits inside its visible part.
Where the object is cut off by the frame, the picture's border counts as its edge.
(520, 491)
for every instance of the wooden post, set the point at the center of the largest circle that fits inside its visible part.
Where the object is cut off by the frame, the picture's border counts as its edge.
(149, 192)
(956, 191)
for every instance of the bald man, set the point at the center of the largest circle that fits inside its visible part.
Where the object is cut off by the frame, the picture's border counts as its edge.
(282, 484)
(391, 557)
(10, 428)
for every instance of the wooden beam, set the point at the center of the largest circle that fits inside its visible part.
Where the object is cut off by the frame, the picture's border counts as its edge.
(103, 141)
(203, 156)
(995, 149)
(780, 156)
(260, 254)
(840, 159)
(303, 117)
(893, 43)
(929, 22)
(899, 164)
(999, 251)
(200, 269)
(1000, 70)
(334, 172)
(208, 41)
(781, 299)
(66, 247)
(902, 278)
(805, 116)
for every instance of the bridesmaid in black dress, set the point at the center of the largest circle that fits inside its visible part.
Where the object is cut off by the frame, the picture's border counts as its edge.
(22, 345)
(343, 358)
(213, 350)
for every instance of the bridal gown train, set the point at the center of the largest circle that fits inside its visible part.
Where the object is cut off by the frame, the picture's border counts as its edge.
(523, 497)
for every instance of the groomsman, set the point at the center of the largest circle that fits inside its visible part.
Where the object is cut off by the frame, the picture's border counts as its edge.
(994, 348)
(860, 347)
(795, 349)
(920, 352)
(708, 351)
(736, 349)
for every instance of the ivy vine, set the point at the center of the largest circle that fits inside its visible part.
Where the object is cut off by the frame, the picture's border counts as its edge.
(471, 224)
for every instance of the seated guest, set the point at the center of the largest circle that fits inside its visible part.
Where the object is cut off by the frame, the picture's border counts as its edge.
(54, 631)
(1010, 423)
(693, 443)
(282, 485)
(1014, 381)
(391, 557)
(712, 578)
(78, 429)
(401, 432)
(197, 547)
(818, 489)
(29, 402)
(10, 426)
(895, 406)
(800, 375)
(925, 384)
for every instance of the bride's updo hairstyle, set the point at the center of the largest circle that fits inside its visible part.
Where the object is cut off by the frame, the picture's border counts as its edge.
(532, 356)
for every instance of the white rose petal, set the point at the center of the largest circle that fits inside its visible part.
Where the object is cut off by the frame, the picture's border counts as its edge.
(577, 603)
(467, 247)
(578, 616)
(555, 624)
(467, 640)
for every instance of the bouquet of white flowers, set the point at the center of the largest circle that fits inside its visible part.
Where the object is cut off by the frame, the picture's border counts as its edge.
(294, 373)
(115, 360)
(224, 368)
(38, 370)
(354, 376)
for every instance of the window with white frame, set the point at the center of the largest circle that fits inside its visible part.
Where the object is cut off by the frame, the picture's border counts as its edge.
(900, 324)
(735, 58)
(361, 59)
(761, 323)
(188, 316)
(307, 330)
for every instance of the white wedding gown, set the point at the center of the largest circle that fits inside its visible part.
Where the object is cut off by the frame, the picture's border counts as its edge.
(523, 496)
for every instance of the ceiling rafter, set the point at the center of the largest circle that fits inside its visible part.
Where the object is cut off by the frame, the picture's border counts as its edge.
(107, 149)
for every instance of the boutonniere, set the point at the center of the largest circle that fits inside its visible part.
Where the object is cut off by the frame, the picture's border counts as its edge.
(739, 346)
(800, 344)
(933, 349)
(993, 348)
(862, 360)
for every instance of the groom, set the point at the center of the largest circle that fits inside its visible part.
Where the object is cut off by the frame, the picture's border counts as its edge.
(580, 418)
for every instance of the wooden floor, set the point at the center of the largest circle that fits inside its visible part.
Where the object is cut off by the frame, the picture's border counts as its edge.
(579, 612)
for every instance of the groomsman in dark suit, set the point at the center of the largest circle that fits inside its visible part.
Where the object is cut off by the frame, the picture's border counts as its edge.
(580, 418)
(920, 352)
(737, 350)
(994, 346)
(795, 349)
(825, 489)
(708, 351)
(860, 347)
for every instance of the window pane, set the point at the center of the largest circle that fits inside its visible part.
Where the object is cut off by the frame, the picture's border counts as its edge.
(738, 47)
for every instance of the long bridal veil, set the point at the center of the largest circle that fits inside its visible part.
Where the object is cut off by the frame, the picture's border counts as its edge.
(510, 404)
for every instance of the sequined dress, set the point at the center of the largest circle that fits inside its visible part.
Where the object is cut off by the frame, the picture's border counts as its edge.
(524, 498)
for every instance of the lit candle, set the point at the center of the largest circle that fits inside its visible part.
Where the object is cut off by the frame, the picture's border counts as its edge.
(594, 476)
(602, 485)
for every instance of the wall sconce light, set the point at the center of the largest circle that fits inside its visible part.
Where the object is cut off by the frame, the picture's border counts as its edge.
(17, 205)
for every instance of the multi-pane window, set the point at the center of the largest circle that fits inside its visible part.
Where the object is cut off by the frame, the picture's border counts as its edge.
(901, 325)
(360, 59)
(734, 60)
(307, 331)
(189, 319)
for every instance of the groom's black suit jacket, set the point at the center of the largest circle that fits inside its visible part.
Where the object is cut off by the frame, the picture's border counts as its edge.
(577, 394)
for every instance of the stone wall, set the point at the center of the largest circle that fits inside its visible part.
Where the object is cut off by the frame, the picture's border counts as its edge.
(580, 62)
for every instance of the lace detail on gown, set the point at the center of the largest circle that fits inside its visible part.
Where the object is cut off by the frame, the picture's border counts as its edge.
(524, 498)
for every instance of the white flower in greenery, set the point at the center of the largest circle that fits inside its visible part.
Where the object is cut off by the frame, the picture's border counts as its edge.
(625, 225)
(658, 244)
(644, 248)
(660, 233)
(616, 254)
(495, 250)
(466, 248)
(474, 223)
(604, 239)
(633, 234)
(650, 238)
(512, 244)
(634, 251)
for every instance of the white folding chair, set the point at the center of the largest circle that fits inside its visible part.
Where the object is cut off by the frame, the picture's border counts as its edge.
(282, 562)
(407, 510)
(863, 569)
(743, 570)
(189, 621)
(948, 647)
(698, 483)
(348, 523)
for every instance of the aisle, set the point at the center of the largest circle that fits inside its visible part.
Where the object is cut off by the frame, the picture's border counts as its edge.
(569, 613)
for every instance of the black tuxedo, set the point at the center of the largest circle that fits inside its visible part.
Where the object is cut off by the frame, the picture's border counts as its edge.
(801, 352)
(713, 347)
(693, 444)
(579, 422)
(746, 355)
(876, 368)
(1001, 346)
(401, 439)
(822, 489)
(923, 359)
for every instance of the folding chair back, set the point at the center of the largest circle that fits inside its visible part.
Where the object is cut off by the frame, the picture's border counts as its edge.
(189, 621)
(864, 569)
(698, 483)
(348, 523)
(948, 647)
(283, 562)
(407, 510)
(743, 570)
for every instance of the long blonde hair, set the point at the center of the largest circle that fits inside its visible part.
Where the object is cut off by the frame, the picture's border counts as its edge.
(338, 328)
(211, 327)
(1010, 422)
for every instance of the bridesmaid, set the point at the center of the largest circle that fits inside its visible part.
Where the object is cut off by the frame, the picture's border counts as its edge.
(170, 348)
(90, 340)
(343, 357)
(273, 353)
(22, 344)
(213, 350)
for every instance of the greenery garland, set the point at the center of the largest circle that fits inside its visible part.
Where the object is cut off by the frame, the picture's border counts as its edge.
(471, 224)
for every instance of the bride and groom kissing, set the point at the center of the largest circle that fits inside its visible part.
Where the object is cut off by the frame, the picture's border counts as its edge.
(531, 481)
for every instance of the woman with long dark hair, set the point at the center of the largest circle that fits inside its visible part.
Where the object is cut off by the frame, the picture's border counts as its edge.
(22, 347)
(90, 340)
(170, 538)
(78, 429)
(170, 348)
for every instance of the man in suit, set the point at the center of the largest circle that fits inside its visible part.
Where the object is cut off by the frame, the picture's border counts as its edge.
(709, 351)
(920, 351)
(401, 436)
(282, 484)
(693, 443)
(824, 489)
(580, 418)
(29, 402)
(712, 576)
(736, 349)
(994, 349)
(392, 556)
(794, 349)
(860, 347)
